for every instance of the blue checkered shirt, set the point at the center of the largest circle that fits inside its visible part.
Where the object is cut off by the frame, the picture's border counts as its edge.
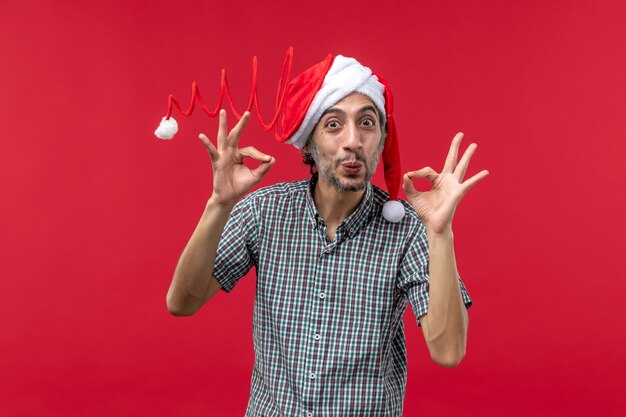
(327, 324)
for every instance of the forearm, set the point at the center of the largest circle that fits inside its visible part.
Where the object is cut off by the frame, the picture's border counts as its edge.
(190, 284)
(447, 314)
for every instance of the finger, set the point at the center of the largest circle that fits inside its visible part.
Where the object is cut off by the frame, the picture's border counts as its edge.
(221, 131)
(450, 164)
(235, 134)
(427, 172)
(252, 152)
(461, 168)
(467, 185)
(209, 146)
(260, 171)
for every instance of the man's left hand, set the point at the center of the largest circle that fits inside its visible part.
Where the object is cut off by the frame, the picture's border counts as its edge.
(437, 206)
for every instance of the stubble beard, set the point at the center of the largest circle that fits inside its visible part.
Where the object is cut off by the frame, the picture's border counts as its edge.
(324, 167)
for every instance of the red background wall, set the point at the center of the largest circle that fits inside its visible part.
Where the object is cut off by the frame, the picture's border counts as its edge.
(94, 211)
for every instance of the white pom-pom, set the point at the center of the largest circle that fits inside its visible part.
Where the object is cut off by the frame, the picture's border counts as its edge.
(393, 211)
(167, 128)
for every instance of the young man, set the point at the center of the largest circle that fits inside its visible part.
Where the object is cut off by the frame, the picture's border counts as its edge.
(333, 276)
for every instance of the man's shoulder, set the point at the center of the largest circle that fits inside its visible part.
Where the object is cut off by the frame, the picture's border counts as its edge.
(279, 190)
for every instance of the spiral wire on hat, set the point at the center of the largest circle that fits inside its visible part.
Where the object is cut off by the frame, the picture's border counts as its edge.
(285, 75)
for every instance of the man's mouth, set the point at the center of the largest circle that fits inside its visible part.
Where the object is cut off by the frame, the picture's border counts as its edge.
(351, 168)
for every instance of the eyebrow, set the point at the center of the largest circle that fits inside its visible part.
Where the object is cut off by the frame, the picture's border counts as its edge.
(363, 109)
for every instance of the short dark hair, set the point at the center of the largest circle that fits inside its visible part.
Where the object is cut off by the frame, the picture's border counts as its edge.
(307, 158)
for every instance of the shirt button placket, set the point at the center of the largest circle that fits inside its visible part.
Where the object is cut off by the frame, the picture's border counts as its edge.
(319, 300)
(316, 336)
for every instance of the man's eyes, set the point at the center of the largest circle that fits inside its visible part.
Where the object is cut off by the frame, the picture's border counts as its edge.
(367, 122)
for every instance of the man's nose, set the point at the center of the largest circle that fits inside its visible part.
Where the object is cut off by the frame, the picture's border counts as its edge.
(352, 139)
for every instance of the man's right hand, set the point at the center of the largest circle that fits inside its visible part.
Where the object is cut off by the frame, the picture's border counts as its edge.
(193, 283)
(231, 178)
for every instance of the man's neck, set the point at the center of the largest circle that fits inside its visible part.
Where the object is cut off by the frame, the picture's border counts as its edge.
(334, 205)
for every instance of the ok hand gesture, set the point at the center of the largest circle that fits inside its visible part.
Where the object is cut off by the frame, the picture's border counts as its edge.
(231, 178)
(437, 206)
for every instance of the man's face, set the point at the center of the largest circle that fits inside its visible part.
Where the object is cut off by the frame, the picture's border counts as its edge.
(346, 143)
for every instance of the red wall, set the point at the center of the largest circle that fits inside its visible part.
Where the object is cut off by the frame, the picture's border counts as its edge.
(94, 211)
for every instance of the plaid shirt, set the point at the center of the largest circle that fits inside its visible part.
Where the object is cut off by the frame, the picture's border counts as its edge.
(327, 323)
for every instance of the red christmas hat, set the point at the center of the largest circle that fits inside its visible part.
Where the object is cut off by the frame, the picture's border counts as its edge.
(300, 104)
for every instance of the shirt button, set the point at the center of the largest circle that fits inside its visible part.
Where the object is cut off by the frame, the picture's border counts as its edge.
(309, 414)
(322, 295)
(317, 337)
(312, 375)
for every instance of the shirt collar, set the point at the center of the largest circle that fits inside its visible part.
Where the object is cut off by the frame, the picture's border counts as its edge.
(350, 225)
